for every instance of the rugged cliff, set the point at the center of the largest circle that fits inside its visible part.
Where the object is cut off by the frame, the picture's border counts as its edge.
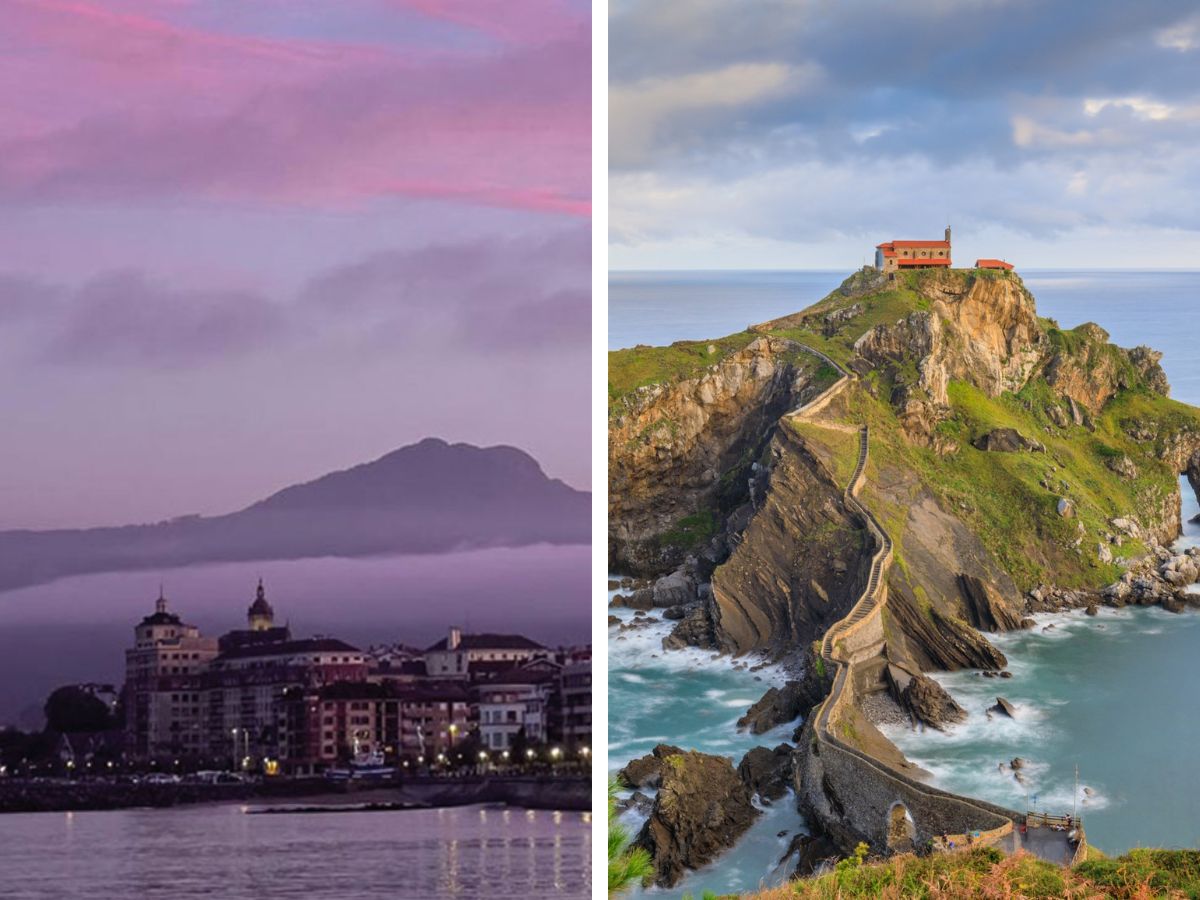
(1015, 467)
(1010, 459)
(687, 424)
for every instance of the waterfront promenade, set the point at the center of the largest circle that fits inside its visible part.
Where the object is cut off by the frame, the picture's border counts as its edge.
(566, 792)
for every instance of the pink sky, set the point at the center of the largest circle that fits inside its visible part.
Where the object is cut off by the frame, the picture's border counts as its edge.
(181, 181)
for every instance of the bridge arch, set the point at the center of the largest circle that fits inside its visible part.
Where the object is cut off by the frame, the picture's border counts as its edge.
(901, 829)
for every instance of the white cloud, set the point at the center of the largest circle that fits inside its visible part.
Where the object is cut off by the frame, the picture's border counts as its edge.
(1142, 107)
(1028, 133)
(640, 112)
(1182, 37)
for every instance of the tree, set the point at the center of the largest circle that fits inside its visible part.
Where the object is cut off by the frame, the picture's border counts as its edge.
(626, 866)
(71, 709)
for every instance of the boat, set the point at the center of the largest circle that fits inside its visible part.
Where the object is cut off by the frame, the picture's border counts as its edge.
(365, 765)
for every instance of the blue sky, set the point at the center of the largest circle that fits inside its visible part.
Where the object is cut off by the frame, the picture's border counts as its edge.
(791, 134)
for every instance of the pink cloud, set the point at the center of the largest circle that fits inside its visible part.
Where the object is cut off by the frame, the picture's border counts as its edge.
(112, 105)
(528, 21)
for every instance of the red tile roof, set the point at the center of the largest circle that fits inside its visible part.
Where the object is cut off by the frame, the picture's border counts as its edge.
(892, 245)
(992, 264)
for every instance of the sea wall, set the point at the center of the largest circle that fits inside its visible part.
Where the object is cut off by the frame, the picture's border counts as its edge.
(854, 796)
(532, 792)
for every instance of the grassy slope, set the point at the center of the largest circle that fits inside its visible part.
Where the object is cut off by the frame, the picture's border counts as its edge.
(986, 872)
(639, 366)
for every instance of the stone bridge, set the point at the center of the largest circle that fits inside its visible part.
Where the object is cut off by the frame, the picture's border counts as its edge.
(860, 796)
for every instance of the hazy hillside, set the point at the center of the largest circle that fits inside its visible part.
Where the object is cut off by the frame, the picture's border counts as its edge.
(429, 497)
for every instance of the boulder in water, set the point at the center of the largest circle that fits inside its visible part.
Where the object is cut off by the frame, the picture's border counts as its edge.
(767, 773)
(701, 810)
(1003, 707)
(647, 771)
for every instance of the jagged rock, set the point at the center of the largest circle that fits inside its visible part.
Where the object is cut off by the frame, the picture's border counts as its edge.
(1103, 553)
(1003, 707)
(1180, 570)
(1006, 440)
(676, 589)
(639, 599)
(1123, 466)
(762, 595)
(831, 322)
(813, 853)
(1017, 763)
(923, 698)
(674, 613)
(1065, 508)
(943, 641)
(1127, 526)
(1057, 416)
(637, 800)
(701, 810)
(670, 444)
(1076, 413)
(1146, 361)
(777, 706)
(613, 620)
(1092, 610)
(766, 772)
(986, 610)
(694, 630)
(647, 771)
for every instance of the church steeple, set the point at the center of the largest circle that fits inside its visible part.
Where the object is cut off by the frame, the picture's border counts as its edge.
(260, 614)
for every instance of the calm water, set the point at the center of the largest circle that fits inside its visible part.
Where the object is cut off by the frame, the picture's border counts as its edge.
(1112, 694)
(219, 851)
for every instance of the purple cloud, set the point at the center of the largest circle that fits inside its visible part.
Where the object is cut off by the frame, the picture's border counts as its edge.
(125, 318)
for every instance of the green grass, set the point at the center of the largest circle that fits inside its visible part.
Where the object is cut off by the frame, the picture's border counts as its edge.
(639, 366)
(986, 872)
(690, 531)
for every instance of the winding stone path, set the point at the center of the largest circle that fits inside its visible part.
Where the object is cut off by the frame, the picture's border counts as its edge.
(998, 826)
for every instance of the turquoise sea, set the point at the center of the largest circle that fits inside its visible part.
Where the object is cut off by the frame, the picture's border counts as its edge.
(1112, 694)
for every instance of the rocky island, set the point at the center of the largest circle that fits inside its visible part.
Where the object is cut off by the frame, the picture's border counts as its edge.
(864, 490)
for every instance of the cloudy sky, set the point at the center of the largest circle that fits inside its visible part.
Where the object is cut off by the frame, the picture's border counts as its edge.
(242, 244)
(800, 133)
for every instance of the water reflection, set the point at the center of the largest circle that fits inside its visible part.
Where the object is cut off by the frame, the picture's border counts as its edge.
(218, 851)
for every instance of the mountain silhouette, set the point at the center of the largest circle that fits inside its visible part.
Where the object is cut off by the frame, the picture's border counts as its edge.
(429, 497)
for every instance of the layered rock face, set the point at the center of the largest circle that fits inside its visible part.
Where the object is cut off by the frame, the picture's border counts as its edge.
(800, 563)
(674, 447)
(993, 338)
(1092, 370)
